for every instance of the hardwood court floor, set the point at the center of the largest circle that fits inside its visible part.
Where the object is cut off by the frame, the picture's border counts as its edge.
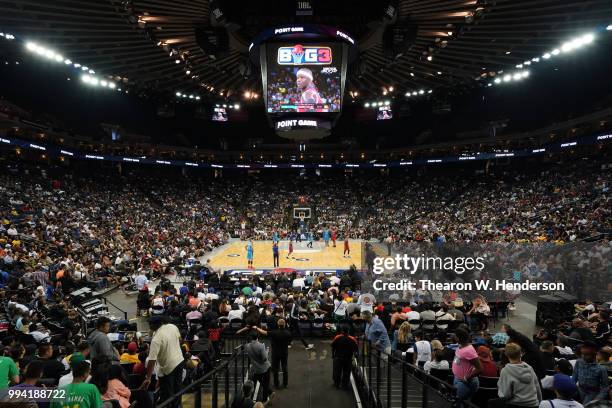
(233, 256)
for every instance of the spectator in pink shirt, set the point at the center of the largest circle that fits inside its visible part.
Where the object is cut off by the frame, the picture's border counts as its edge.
(466, 367)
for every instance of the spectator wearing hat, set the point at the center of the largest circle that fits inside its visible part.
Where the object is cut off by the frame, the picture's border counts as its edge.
(75, 359)
(565, 389)
(562, 366)
(592, 378)
(131, 356)
(518, 383)
(489, 368)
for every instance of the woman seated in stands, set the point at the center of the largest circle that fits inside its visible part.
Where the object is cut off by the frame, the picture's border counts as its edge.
(438, 362)
(480, 312)
(402, 338)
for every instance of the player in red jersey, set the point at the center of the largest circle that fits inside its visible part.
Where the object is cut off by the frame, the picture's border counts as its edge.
(309, 93)
(334, 236)
(290, 253)
(347, 249)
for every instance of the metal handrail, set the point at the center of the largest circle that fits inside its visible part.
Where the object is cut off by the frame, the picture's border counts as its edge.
(409, 372)
(196, 385)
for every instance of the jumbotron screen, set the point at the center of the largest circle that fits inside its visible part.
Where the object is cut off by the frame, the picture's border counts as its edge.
(304, 77)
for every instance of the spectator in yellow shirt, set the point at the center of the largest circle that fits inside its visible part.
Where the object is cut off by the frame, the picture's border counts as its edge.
(131, 357)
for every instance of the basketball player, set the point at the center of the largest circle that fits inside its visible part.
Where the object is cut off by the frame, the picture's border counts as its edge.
(347, 250)
(334, 236)
(304, 82)
(310, 239)
(275, 237)
(275, 255)
(249, 251)
(290, 253)
(326, 236)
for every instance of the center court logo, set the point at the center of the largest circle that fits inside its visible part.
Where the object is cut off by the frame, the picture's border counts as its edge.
(304, 55)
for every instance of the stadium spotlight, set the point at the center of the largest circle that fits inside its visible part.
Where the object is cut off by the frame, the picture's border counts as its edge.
(224, 105)
(380, 103)
(421, 92)
(59, 58)
(178, 94)
(94, 81)
(527, 63)
(103, 83)
(67, 62)
(536, 59)
(507, 78)
(85, 78)
(497, 80)
(191, 96)
(77, 65)
(390, 89)
(111, 85)
(237, 107)
(429, 58)
(430, 91)
(197, 98)
(91, 71)
(387, 103)
(609, 28)
(31, 46)
(366, 105)
(588, 38)
(556, 51)
(525, 74)
(546, 56)
(415, 93)
(84, 68)
(517, 77)
(407, 94)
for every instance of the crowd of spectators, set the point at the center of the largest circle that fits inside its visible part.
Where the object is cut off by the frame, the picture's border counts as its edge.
(60, 231)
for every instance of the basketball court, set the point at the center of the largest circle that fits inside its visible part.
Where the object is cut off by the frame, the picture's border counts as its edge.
(233, 256)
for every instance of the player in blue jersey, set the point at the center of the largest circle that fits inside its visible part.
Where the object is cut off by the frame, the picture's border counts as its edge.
(326, 236)
(249, 251)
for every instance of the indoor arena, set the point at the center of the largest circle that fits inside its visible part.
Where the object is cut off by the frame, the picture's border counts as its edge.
(304, 204)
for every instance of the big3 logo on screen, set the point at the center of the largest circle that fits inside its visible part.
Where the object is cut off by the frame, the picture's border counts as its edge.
(304, 55)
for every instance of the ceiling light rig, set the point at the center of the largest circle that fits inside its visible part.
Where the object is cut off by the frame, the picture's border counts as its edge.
(250, 95)
(87, 76)
(565, 48)
(420, 92)
(188, 96)
(376, 104)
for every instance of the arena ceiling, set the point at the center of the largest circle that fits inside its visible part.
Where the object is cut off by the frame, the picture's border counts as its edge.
(152, 45)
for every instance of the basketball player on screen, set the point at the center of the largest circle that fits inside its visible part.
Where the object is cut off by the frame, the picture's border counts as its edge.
(309, 92)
